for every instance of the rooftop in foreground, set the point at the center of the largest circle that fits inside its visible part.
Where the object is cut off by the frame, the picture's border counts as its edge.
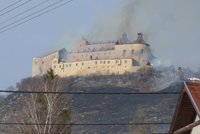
(187, 113)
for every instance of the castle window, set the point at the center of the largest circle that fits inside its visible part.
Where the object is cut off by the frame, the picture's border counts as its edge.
(90, 57)
(76, 64)
(95, 62)
(142, 51)
(104, 62)
(42, 62)
(125, 61)
(82, 63)
(124, 52)
(108, 62)
(69, 65)
(132, 51)
(66, 65)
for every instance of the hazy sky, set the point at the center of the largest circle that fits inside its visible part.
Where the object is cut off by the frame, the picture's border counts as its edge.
(170, 26)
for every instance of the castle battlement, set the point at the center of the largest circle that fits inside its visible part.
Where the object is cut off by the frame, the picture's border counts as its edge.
(120, 57)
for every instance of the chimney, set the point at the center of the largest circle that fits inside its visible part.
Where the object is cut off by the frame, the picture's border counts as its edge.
(180, 73)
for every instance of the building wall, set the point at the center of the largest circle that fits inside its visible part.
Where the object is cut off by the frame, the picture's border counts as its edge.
(40, 65)
(100, 67)
(139, 52)
(84, 46)
(112, 59)
(84, 56)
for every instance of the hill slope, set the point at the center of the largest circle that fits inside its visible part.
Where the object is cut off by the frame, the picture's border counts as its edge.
(112, 109)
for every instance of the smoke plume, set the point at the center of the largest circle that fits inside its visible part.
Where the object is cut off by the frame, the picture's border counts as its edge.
(170, 26)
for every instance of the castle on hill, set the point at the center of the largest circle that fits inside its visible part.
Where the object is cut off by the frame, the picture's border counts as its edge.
(122, 56)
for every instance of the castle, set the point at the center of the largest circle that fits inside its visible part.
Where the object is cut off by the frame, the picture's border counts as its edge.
(119, 57)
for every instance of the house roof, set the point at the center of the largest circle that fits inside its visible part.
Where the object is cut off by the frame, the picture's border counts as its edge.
(187, 108)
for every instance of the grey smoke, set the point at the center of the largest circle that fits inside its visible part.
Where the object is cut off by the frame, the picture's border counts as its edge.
(172, 27)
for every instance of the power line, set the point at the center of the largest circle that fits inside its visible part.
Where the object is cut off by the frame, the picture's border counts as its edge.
(10, 5)
(86, 124)
(24, 11)
(25, 133)
(15, 8)
(94, 93)
(90, 124)
(7, 132)
(33, 16)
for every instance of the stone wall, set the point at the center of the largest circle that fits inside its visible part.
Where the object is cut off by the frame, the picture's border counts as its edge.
(40, 65)
(138, 52)
(97, 67)
(101, 59)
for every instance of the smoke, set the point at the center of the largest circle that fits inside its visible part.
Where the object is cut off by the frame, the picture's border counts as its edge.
(170, 26)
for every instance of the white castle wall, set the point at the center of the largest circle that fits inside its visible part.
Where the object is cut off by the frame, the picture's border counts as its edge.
(97, 67)
(108, 58)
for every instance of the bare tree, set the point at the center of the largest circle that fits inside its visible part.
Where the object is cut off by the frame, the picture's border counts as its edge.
(139, 117)
(49, 113)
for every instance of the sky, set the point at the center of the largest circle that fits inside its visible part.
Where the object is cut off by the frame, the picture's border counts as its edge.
(171, 27)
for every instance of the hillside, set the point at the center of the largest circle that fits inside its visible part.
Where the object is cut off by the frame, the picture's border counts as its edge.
(112, 109)
(108, 109)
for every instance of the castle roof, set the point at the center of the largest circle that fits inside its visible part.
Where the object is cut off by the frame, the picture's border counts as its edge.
(123, 40)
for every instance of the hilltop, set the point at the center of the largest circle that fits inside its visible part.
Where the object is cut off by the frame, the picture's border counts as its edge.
(112, 108)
